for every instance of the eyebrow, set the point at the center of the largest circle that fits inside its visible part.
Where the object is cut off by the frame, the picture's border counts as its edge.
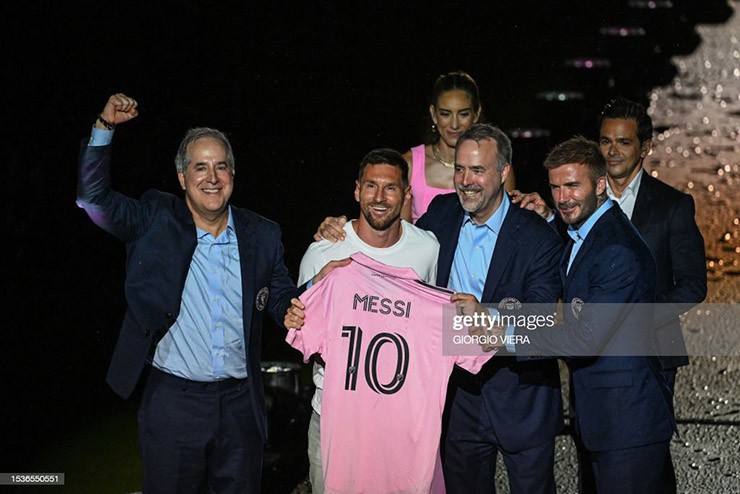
(206, 162)
(467, 108)
(617, 138)
(566, 184)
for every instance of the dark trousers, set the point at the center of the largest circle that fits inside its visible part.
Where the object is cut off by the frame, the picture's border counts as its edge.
(471, 450)
(669, 474)
(587, 483)
(199, 437)
(626, 471)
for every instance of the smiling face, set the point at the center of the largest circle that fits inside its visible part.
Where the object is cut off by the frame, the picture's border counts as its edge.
(381, 194)
(575, 192)
(621, 148)
(453, 114)
(208, 180)
(477, 180)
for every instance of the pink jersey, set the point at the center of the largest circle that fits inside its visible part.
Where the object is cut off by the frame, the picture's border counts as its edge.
(379, 330)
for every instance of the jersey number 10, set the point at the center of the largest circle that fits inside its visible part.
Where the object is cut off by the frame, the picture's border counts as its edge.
(354, 333)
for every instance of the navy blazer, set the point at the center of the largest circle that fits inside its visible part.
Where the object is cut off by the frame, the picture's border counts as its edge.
(620, 400)
(160, 237)
(524, 398)
(664, 217)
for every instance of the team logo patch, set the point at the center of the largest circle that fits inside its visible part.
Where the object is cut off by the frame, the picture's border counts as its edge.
(509, 303)
(261, 300)
(576, 305)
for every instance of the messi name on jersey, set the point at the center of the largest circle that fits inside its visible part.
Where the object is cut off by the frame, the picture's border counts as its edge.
(385, 306)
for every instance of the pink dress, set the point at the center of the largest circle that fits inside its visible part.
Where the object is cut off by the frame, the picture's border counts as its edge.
(422, 193)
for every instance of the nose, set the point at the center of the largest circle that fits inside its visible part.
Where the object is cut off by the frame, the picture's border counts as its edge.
(464, 176)
(559, 195)
(379, 195)
(211, 175)
(454, 122)
(612, 151)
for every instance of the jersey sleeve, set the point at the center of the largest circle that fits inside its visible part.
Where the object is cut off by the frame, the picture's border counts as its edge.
(473, 363)
(311, 338)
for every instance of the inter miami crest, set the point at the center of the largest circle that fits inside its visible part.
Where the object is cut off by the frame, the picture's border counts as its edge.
(509, 303)
(576, 306)
(261, 300)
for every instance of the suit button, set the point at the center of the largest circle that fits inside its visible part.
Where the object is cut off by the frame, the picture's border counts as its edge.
(147, 333)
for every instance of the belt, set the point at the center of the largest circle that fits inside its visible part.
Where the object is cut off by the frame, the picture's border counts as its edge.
(188, 385)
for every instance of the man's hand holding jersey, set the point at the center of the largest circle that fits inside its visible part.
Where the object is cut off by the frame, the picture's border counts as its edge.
(294, 315)
(468, 305)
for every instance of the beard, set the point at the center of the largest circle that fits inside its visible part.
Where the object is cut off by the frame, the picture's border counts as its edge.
(386, 221)
(586, 207)
(468, 204)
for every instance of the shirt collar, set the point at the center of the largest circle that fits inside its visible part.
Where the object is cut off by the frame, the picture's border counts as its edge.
(633, 187)
(580, 234)
(229, 228)
(496, 220)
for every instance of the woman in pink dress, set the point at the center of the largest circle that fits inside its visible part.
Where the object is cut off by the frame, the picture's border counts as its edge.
(454, 107)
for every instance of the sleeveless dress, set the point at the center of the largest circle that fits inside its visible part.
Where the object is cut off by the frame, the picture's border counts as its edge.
(422, 193)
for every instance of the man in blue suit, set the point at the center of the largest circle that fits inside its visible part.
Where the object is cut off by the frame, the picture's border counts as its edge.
(623, 414)
(200, 275)
(491, 251)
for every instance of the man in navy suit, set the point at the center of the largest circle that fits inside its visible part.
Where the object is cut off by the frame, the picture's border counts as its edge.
(491, 252)
(623, 415)
(200, 274)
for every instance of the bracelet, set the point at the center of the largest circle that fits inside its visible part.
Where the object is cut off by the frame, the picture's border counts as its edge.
(106, 124)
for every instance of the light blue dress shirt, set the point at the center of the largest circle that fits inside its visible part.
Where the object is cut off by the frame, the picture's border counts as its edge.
(100, 137)
(475, 246)
(206, 343)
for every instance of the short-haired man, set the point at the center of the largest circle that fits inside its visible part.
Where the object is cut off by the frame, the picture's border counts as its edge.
(200, 275)
(491, 251)
(381, 189)
(623, 415)
(664, 217)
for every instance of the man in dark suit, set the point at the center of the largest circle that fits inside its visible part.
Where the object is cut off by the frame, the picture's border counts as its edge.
(489, 252)
(200, 274)
(623, 416)
(664, 217)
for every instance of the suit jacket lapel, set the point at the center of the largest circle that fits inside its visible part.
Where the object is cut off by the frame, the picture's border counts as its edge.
(564, 260)
(246, 239)
(590, 239)
(641, 212)
(448, 245)
(506, 245)
(581, 254)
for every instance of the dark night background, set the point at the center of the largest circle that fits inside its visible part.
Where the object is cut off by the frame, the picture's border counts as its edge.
(304, 90)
